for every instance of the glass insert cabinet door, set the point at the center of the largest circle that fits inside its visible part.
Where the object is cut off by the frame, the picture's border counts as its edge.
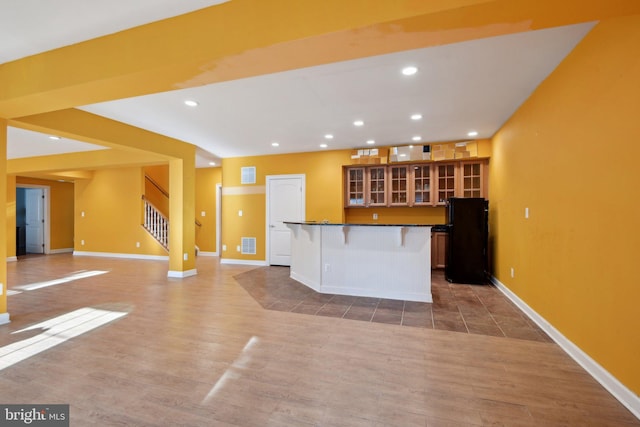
(422, 185)
(399, 193)
(446, 179)
(355, 187)
(471, 180)
(377, 186)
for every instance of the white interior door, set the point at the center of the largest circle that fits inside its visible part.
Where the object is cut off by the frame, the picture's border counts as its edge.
(35, 220)
(285, 202)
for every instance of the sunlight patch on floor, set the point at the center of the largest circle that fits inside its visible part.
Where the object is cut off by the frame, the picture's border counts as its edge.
(56, 331)
(74, 276)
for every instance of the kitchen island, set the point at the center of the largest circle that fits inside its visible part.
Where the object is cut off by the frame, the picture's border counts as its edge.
(372, 260)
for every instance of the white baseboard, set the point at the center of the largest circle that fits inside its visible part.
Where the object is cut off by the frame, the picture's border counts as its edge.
(627, 397)
(116, 255)
(202, 253)
(12, 258)
(60, 251)
(182, 274)
(4, 318)
(243, 262)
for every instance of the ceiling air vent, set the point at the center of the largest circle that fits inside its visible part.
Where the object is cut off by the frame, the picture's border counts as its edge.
(248, 245)
(248, 175)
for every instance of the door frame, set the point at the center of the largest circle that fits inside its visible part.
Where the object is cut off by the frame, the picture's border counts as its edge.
(270, 178)
(46, 190)
(218, 217)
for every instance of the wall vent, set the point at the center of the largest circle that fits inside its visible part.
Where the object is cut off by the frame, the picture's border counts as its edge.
(248, 245)
(248, 175)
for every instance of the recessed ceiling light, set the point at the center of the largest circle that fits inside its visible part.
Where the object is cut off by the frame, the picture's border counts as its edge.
(416, 116)
(191, 103)
(328, 136)
(358, 123)
(212, 163)
(409, 71)
(275, 144)
(416, 138)
(371, 142)
(323, 145)
(55, 138)
(472, 133)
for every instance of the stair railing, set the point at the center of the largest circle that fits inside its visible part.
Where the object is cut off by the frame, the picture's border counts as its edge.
(156, 223)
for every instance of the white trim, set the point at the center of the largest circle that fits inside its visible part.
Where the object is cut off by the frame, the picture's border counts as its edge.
(115, 255)
(241, 191)
(202, 253)
(218, 216)
(261, 263)
(627, 397)
(4, 318)
(182, 274)
(61, 251)
(12, 258)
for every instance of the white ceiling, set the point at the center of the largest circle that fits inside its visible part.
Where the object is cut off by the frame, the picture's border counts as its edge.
(475, 85)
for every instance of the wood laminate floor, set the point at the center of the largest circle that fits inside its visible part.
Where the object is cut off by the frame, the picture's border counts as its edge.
(124, 345)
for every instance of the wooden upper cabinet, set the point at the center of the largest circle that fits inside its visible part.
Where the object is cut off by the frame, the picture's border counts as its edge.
(398, 185)
(445, 180)
(473, 179)
(422, 188)
(425, 184)
(376, 186)
(355, 186)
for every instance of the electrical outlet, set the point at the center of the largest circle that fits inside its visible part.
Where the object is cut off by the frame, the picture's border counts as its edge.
(327, 267)
(82, 242)
(82, 214)
(203, 213)
(513, 272)
(137, 244)
(240, 212)
(526, 213)
(375, 216)
(185, 256)
(238, 248)
(224, 247)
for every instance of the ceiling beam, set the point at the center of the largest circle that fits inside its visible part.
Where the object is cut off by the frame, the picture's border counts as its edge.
(245, 38)
(76, 165)
(87, 127)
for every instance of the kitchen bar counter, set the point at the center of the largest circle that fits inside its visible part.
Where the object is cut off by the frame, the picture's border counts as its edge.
(373, 260)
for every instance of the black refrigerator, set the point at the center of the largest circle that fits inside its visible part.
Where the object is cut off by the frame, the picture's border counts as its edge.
(467, 260)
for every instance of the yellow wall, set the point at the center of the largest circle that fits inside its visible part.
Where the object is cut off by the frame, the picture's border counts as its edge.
(397, 215)
(324, 195)
(569, 154)
(206, 180)
(60, 209)
(112, 206)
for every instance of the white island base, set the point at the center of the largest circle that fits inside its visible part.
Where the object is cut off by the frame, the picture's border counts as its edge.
(381, 261)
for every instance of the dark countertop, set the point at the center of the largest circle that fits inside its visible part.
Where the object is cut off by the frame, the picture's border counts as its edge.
(360, 225)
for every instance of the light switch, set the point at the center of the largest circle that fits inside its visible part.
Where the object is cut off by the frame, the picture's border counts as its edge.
(203, 213)
(240, 212)
(526, 213)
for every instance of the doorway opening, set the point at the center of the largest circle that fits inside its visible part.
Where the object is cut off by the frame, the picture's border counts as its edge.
(32, 220)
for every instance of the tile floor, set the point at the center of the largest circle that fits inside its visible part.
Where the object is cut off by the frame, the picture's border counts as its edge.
(475, 309)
